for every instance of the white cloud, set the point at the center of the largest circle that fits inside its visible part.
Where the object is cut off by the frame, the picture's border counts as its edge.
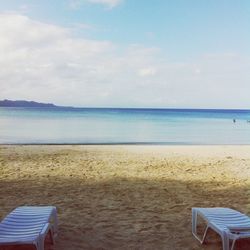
(109, 3)
(147, 72)
(75, 4)
(46, 63)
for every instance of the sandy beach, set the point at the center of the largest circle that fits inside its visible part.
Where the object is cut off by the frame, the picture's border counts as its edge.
(126, 197)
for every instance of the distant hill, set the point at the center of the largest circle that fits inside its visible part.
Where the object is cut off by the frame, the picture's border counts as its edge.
(22, 103)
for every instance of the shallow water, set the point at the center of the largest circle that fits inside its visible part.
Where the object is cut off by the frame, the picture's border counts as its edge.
(87, 126)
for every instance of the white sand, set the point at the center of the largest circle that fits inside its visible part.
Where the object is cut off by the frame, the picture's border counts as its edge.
(126, 197)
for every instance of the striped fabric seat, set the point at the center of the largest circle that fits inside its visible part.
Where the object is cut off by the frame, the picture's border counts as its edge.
(228, 223)
(29, 225)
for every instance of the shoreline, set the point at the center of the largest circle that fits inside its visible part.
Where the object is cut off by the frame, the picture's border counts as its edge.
(124, 144)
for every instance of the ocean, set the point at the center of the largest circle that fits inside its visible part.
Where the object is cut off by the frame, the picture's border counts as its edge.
(123, 126)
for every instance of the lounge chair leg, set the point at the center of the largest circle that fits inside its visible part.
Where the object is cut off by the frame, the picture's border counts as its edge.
(36, 245)
(51, 233)
(233, 244)
(194, 227)
(205, 235)
(55, 224)
(225, 241)
(194, 221)
(42, 244)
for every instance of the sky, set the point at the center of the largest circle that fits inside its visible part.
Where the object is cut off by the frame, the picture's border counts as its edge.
(126, 53)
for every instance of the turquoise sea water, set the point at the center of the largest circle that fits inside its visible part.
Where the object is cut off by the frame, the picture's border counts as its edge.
(159, 126)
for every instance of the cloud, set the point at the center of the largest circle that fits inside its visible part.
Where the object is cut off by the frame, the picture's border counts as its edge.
(147, 72)
(47, 63)
(75, 4)
(109, 3)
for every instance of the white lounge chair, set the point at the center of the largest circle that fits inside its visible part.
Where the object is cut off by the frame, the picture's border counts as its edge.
(228, 223)
(29, 225)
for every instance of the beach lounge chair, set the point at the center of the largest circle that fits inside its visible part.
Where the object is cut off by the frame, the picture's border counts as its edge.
(230, 224)
(29, 225)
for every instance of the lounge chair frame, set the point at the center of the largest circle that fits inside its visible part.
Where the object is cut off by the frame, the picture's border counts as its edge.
(221, 220)
(29, 225)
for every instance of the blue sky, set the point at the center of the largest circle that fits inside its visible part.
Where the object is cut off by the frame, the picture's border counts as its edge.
(143, 53)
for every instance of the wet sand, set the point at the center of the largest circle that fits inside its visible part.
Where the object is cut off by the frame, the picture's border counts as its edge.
(126, 197)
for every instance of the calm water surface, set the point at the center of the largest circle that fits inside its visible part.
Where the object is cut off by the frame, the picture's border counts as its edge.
(167, 126)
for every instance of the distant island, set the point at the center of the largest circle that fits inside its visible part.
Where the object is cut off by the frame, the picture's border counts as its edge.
(33, 104)
(22, 103)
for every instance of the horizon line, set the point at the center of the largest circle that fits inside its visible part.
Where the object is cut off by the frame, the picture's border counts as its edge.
(110, 107)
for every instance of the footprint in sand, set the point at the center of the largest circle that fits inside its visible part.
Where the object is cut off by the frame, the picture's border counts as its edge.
(158, 226)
